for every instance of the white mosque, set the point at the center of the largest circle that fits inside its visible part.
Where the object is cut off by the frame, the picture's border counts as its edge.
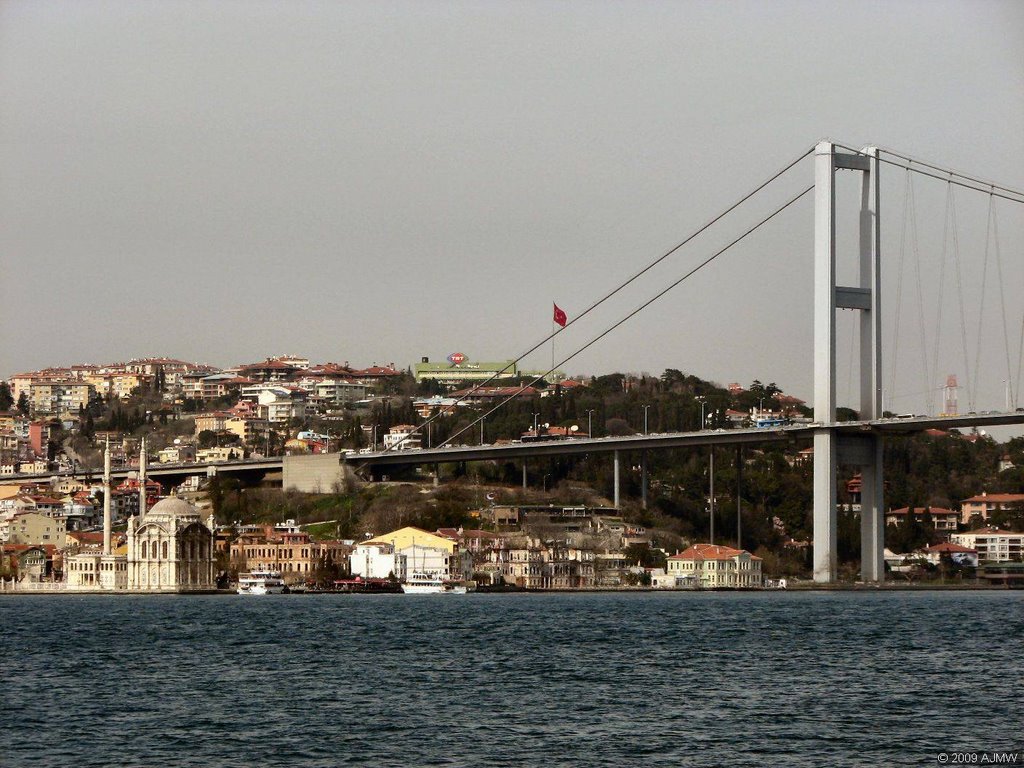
(169, 548)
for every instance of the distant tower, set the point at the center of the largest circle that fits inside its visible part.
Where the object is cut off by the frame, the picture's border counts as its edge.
(949, 396)
(142, 480)
(106, 499)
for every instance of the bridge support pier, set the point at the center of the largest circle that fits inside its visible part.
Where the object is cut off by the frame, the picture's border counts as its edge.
(643, 479)
(524, 474)
(616, 479)
(830, 449)
(872, 518)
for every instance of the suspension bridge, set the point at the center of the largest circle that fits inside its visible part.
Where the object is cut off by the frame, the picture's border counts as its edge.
(850, 443)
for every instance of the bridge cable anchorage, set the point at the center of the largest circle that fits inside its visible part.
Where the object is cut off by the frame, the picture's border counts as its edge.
(606, 297)
(644, 305)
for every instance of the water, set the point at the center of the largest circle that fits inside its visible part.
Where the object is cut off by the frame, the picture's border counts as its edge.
(692, 679)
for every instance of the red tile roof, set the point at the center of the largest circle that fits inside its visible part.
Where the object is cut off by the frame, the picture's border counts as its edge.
(922, 510)
(947, 547)
(996, 497)
(710, 552)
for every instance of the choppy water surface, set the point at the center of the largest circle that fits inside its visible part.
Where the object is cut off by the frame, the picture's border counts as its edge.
(787, 679)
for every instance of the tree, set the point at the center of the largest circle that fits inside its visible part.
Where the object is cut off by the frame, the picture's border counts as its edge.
(6, 398)
(23, 404)
(207, 438)
(618, 427)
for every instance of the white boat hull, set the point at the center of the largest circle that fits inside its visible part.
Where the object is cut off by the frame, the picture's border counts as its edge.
(261, 589)
(422, 589)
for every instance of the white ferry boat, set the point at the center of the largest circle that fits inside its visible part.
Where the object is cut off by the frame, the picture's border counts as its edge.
(424, 583)
(260, 583)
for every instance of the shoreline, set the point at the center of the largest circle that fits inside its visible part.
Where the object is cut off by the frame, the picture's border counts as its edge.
(793, 587)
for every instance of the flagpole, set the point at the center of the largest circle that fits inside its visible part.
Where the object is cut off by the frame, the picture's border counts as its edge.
(553, 338)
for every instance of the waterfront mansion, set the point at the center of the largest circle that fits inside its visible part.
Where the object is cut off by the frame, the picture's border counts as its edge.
(711, 566)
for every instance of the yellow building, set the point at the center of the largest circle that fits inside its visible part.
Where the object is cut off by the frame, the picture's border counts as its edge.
(120, 384)
(426, 552)
(711, 566)
(34, 528)
(410, 536)
(59, 396)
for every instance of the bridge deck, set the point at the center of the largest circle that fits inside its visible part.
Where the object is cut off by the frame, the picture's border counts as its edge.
(587, 445)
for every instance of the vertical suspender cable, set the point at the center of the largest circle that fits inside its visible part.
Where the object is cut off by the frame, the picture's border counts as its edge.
(899, 290)
(915, 243)
(960, 294)
(981, 304)
(1010, 379)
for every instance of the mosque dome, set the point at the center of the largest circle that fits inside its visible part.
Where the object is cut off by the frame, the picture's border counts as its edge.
(171, 508)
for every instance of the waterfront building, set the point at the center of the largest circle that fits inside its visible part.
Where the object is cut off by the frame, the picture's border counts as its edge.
(713, 566)
(992, 544)
(170, 549)
(425, 551)
(377, 560)
(954, 553)
(522, 564)
(286, 549)
(30, 562)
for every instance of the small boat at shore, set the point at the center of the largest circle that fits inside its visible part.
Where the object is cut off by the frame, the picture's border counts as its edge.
(260, 582)
(423, 583)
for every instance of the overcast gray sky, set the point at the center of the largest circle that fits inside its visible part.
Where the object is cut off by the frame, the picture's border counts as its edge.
(374, 182)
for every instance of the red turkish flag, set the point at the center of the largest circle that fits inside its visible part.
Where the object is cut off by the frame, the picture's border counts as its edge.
(560, 316)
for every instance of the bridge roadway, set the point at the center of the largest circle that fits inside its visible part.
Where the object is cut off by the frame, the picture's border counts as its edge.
(542, 448)
(663, 440)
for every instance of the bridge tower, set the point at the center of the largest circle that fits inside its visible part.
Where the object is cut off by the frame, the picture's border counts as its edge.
(831, 448)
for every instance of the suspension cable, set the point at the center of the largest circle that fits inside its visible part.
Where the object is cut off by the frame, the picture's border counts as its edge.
(638, 309)
(968, 177)
(610, 294)
(970, 182)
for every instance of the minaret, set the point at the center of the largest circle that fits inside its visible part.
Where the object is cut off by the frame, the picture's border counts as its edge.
(142, 480)
(106, 499)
